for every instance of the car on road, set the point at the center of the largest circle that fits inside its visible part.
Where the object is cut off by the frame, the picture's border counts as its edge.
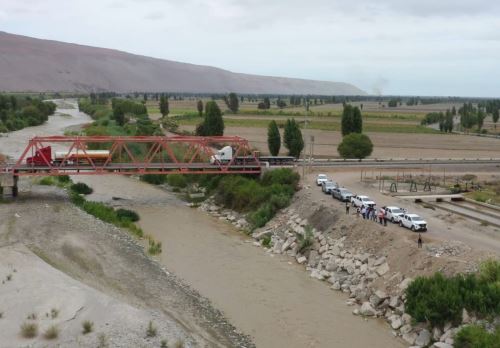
(413, 222)
(328, 186)
(342, 194)
(360, 200)
(321, 178)
(394, 214)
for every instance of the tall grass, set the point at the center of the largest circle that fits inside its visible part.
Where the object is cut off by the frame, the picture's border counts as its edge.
(438, 299)
(260, 198)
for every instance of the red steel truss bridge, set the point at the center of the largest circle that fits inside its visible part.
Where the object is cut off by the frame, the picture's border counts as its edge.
(132, 155)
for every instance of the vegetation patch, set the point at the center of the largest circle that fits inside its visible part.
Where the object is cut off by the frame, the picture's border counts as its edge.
(88, 327)
(29, 330)
(438, 299)
(51, 333)
(81, 188)
(475, 336)
(261, 198)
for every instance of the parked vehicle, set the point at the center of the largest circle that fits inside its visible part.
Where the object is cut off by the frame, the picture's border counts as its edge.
(342, 194)
(359, 200)
(328, 186)
(394, 214)
(320, 179)
(413, 222)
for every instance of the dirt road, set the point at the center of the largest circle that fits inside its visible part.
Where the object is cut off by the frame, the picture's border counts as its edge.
(442, 225)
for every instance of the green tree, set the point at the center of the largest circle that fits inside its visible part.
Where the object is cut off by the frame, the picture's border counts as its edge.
(233, 102)
(347, 122)
(293, 138)
(357, 121)
(355, 145)
(119, 114)
(352, 120)
(267, 103)
(213, 123)
(273, 138)
(199, 105)
(164, 107)
(495, 115)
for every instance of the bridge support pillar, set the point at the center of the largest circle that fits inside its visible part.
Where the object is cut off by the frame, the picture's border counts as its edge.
(8, 182)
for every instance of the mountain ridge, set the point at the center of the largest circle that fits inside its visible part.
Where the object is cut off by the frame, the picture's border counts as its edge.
(40, 65)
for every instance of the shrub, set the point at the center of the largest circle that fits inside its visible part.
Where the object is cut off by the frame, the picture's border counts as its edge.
(438, 299)
(305, 240)
(474, 336)
(151, 330)
(154, 179)
(355, 145)
(63, 179)
(129, 215)
(51, 333)
(282, 176)
(266, 242)
(81, 188)
(260, 217)
(46, 181)
(88, 327)
(177, 180)
(29, 330)
(154, 247)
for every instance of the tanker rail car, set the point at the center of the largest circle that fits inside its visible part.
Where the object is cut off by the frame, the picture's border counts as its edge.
(80, 157)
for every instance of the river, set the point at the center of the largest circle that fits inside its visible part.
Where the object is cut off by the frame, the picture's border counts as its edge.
(268, 297)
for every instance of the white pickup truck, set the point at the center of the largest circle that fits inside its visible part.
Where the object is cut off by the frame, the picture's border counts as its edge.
(394, 214)
(413, 222)
(359, 200)
(320, 179)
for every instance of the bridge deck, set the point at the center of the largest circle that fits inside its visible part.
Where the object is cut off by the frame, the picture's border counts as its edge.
(131, 169)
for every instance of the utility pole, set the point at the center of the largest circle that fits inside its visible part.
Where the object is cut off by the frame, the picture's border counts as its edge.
(306, 104)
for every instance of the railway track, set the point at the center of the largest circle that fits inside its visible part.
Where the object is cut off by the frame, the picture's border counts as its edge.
(472, 211)
(399, 162)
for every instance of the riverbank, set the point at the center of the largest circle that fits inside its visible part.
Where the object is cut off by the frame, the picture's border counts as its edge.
(107, 276)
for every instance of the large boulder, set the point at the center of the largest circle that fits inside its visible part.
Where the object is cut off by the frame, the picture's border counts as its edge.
(423, 338)
(441, 345)
(262, 234)
(367, 310)
(410, 337)
(382, 269)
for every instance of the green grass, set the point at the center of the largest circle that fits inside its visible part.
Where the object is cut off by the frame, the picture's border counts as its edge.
(475, 336)
(321, 125)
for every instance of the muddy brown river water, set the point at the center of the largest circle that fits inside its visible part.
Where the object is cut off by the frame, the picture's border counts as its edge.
(268, 297)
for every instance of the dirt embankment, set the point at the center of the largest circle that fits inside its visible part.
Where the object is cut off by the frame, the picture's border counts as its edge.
(58, 257)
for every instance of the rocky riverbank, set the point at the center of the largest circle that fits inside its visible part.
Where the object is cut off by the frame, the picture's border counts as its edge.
(371, 263)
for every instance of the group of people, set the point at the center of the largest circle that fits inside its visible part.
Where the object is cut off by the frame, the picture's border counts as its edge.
(370, 213)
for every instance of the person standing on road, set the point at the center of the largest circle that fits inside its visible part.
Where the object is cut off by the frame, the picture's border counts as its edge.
(419, 241)
(381, 216)
(347, 208)
(363, 212)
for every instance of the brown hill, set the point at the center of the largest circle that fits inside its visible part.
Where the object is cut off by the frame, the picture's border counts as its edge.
(29, 64)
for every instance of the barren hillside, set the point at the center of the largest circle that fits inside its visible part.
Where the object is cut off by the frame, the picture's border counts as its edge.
(28, 64)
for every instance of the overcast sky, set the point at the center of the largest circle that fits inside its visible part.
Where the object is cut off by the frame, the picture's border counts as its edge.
(405, 47)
